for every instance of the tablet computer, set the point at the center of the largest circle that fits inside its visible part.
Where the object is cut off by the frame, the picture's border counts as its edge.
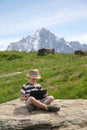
(38, 94)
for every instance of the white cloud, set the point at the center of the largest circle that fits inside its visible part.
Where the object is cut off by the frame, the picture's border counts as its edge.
(82, 38)
(5, 42)
(64, 16)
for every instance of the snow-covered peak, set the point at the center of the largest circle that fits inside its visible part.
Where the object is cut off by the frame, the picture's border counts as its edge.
(43, 38)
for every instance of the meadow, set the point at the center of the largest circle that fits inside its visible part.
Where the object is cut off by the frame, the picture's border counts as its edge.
(63, 75)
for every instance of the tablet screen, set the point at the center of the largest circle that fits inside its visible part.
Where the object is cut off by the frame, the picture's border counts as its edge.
(38, 94)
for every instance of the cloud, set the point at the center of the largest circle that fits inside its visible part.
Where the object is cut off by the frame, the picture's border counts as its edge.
(64, 16)
(82, 38)
(5, 42)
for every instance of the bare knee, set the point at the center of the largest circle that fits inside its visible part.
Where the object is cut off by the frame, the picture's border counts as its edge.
(31, 99)
(51, 98)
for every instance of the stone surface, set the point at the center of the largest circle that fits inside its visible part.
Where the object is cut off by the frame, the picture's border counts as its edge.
(72, 116)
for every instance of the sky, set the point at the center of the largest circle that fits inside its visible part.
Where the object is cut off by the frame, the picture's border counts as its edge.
(64, 18)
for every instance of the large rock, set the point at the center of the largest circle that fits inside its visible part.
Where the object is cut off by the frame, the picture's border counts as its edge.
(72, 116)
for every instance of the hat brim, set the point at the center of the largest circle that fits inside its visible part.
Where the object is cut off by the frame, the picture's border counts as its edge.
(34, 77)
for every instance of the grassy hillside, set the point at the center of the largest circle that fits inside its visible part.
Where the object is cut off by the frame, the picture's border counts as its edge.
(64, 75)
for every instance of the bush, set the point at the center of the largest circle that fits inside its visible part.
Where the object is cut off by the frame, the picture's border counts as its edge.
(13, 57)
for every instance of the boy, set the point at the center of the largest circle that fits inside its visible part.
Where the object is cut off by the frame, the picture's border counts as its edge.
(31, 102)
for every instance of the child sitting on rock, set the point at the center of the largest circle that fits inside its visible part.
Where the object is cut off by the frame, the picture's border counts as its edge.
(32, 102)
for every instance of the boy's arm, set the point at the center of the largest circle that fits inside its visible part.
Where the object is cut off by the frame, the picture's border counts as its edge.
(22, 97)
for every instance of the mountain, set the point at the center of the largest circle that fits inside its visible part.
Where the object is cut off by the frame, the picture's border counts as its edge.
(45, 39)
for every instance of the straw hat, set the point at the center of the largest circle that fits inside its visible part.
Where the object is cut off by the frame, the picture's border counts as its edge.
(34, 73)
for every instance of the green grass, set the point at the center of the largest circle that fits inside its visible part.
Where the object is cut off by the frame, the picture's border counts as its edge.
(64, 75)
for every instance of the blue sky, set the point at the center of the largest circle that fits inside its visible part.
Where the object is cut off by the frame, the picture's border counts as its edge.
(64, 18)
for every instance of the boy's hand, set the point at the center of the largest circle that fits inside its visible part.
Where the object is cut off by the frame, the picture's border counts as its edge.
(23, 97)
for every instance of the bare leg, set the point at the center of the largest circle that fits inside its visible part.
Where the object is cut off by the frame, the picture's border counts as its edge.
(37, 103)
(48, 100)
(43, 105)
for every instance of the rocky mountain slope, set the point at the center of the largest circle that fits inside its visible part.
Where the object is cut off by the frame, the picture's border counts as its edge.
(45, 39)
